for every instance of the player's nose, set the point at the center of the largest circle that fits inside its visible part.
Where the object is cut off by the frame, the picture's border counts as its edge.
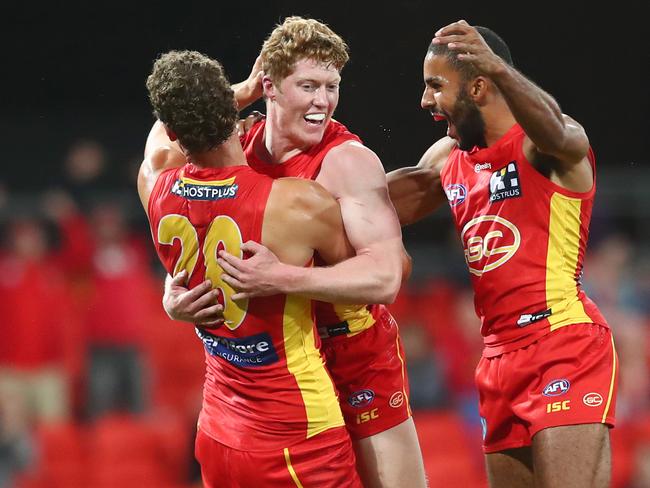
(427, 101)
(320, 97)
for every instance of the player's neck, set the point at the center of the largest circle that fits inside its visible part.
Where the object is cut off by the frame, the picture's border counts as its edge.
(498, 121)
(277, 147)
(230, 153)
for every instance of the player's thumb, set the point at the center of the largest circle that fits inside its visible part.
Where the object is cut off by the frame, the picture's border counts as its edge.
(180, 278)
(251, 247)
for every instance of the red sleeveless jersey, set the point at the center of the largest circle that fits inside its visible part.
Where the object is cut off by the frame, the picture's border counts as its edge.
(524, 239)
(332, 320)
(266, 386)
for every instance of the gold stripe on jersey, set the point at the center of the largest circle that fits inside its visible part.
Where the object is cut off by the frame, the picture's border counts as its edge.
(562, 261)
(306, 365)
(358, 317)
(226, 182)
(611, 383)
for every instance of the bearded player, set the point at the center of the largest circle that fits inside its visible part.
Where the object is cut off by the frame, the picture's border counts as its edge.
(519, 176)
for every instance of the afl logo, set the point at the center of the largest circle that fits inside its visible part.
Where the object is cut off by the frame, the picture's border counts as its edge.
(456, 194)
(556, 388)
(592, 399)
(396, 399)
(361, 398)
(489, 242)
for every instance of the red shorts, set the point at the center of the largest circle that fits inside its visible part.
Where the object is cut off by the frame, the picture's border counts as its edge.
(326, 460)
(369, 372)
(567, 377)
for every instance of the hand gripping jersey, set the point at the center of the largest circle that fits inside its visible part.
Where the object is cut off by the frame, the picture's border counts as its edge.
(265, 386)
(524, 239)
(332, 320)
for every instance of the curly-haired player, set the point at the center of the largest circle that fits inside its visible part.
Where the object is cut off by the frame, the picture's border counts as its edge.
(270, 416)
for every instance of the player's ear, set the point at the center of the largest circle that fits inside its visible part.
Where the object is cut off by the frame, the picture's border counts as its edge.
(478, 89)
(268, 87)
(170, 133)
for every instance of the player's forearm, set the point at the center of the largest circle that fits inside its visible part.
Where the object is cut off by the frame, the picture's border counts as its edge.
(245, 95)
(360, 279)
(415, 193)
(535, 110)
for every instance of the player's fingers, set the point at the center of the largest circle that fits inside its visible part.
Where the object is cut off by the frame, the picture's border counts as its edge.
(242, 295)
(461, 46)
(253, 118)
(210, 315)
(257, 66)
(467, 57)
(180, 278)
(204, 301)
(241, 128)
(448, 39)
(252, 247)
(233, 282)
(460, 27)
(197, 292)
(230, 269)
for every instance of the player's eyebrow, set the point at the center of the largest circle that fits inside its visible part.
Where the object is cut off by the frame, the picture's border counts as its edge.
(435, 79)
(314, 80)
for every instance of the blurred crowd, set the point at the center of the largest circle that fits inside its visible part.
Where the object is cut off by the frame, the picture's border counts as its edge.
(93, 374)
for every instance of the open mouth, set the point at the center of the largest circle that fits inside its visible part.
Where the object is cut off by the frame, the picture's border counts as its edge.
(438, 117)
(315, 119)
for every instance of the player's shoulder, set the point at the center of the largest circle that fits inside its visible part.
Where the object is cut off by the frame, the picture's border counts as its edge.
(437, 154)
(351, 156)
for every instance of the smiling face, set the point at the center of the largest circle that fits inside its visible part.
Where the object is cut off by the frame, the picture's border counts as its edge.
(302, 104)
(446, 96)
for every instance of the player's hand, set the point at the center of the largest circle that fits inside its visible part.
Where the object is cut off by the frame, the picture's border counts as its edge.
(250, 90)
(470, 45)
(259, 275)
(244, 125)
(198, 306)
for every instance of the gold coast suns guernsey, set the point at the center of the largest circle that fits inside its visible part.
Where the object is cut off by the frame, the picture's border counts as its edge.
(524, 239)
(332, 320)
(265, 386)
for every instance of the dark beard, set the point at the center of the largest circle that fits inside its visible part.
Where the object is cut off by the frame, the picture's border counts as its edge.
(469, 122)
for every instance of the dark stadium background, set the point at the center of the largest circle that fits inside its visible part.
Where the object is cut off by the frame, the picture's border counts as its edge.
(75, 71)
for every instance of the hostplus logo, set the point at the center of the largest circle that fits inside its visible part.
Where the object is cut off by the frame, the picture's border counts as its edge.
(205, 190)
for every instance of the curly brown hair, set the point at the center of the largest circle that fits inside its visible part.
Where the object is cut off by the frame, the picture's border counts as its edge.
(299, 38)
(190, 94)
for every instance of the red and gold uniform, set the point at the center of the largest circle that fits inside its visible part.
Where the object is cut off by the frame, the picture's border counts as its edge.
(525, 239)
(361, 343)
(267, 394)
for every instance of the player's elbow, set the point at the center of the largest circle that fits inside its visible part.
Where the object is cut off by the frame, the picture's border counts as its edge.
(388, 286)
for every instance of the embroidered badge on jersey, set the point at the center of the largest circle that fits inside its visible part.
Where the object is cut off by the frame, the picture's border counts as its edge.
(504, 183)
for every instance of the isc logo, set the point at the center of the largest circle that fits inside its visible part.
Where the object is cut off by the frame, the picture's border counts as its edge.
(558, 406)
(556, 388)
(364, 417)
